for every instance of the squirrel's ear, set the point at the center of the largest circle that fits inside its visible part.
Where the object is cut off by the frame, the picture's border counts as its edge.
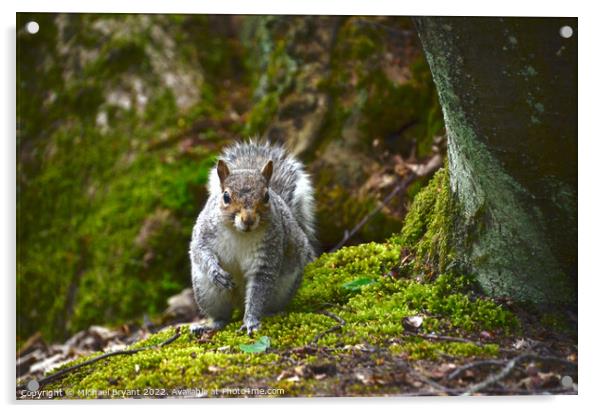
(222, 171)
(267, 170)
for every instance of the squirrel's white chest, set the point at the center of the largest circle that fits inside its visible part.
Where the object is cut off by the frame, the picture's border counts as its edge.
(238, 253)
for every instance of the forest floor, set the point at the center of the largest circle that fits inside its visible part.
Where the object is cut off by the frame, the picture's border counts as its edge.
(391, 336)
(542, 362)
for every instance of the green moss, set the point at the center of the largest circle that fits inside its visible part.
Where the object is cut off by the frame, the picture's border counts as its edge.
(272, 70)
(325, 277)
(422, 349)
(428, 224)
(373, 315)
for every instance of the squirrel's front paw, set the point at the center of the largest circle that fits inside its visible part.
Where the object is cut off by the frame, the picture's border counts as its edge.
(200, 328)
(222, 279)
(250, 326)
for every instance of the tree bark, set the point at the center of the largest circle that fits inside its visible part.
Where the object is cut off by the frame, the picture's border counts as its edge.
(508, 89)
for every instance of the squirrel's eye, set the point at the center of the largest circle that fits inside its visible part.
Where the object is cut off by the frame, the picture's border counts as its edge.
(266, 197)
(226, 198)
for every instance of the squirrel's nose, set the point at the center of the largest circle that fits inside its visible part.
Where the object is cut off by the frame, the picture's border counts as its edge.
(247, 218)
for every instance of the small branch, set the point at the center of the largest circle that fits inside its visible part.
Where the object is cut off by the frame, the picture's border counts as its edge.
(479, 363)
(444, 338)
(339, 326)
(53, 377)
(494, 378)
(416, 171)
(503, 373)
(401, 186)
(440, 388)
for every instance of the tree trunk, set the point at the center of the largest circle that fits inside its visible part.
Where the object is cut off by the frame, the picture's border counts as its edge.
(508, 89)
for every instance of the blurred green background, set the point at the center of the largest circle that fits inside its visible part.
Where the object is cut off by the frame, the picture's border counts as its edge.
(120, 117)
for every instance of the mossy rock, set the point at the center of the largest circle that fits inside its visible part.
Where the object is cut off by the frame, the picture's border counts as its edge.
(96, 94)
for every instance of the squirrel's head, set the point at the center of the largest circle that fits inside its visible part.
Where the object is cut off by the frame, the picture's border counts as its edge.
(245, 196)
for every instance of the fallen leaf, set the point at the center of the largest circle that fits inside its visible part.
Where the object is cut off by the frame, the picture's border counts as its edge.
(549, 379)
(520, 344)
(486, 335)
(300, 370)
(283, 375)
(412, 322)
(532, 369)
(259, 346)
(365, 378)
(358, 283)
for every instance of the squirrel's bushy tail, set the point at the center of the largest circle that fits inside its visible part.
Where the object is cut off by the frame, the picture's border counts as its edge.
(289, 179)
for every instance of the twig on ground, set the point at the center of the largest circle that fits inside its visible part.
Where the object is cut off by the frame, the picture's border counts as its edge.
(457, 340)
(553, 359)
(494, 378)
(53, 377)
(432, 383)
(503, 373)
(479, 363)
(444, 338)
(331, 329)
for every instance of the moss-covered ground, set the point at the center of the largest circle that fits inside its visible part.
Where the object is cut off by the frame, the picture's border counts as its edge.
(373, 315)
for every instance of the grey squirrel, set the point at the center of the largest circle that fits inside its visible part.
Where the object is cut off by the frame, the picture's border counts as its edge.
(253, 237)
